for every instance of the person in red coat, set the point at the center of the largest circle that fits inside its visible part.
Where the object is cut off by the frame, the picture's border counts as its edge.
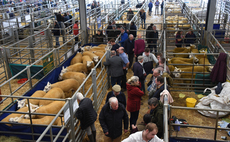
(75, 31)
(139, 46)
(134, 99)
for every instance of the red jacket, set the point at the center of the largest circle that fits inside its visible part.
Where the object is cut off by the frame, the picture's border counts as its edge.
(134, 97)
(139, 46)
(75, 32)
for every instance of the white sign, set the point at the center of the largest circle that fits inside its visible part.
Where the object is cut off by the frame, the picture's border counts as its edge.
(75, 47)
(69, 53)
(66, 115)
(75, 105)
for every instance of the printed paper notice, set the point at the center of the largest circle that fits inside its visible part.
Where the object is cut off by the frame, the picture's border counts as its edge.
(66, 115)
(75, 105)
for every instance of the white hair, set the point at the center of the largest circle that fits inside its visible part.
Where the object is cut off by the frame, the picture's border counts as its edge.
(133, 79)
(130, 35)
(80, 96)
(112, 100)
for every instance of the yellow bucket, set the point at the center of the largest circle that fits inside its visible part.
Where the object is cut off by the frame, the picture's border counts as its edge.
(190, 102)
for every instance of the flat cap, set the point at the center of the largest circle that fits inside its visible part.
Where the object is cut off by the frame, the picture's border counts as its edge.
(116, 88)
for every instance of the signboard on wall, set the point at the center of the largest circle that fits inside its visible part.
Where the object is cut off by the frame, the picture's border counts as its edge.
(48, 63)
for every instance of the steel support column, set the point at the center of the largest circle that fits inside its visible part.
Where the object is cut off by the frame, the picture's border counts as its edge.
(211, 10)
(83, 20)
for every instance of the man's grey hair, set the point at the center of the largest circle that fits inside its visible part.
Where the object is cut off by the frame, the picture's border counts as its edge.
(130, 35)
(80, 96)
(123, 28)
(157, 70)
(153, 101)
(154, 26)
(113, 100)
(113, 53)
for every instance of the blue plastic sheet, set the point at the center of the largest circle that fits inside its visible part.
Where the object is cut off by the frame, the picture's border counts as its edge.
(52, 77)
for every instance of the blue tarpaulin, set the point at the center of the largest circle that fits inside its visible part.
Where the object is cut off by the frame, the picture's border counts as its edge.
(52, 77)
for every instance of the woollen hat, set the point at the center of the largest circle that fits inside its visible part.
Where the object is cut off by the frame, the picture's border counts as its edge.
(116, 88)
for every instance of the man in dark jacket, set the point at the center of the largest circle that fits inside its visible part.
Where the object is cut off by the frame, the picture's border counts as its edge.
(109, 28)
(56, 32)
(112, 34)
(148, 32)
(153, 38)
(87, 116)
(139, 71)
(111, 116)
(160, 87)
(116, 92)
(129, 48)
(115, 64)
(115, 46)
(156, 113)
(59, 17)
(133, 29)
(130, 14)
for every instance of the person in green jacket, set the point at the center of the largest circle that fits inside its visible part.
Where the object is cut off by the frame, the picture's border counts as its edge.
(155, 114)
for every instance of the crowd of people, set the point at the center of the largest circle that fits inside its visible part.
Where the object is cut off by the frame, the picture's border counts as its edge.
(132, 53)
(157, 4)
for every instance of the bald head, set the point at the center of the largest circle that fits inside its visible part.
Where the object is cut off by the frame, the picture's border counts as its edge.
(139, 36)
(156, 72)
(121, 50)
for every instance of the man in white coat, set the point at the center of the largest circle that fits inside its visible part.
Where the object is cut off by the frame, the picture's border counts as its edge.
(148, 135)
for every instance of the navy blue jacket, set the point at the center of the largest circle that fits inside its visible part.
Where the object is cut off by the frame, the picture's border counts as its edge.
(150, 5)
(56, 30)
(143, 15)
(115, 47)
(86, 113)
(138, 71)
(129, 46)
(190, 39)
(109, 28)
(111, 120)
(121, 97)
(158, 92)
(133, 30)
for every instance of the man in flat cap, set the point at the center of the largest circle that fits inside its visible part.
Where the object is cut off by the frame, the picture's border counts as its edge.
(116, 92)
(139, 71)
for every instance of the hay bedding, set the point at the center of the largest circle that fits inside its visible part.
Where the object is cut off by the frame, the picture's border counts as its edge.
(5, 90)
(193, 118)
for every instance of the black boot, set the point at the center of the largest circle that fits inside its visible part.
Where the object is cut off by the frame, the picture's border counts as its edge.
(91, 138)
(94, 135)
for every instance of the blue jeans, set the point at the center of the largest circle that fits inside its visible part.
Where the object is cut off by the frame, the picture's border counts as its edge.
(150, 11)
(57, 41)
(143, 21)
(161, 11)
(115, 80)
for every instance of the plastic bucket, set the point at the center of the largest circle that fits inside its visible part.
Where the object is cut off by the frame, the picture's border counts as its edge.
(190, 102)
